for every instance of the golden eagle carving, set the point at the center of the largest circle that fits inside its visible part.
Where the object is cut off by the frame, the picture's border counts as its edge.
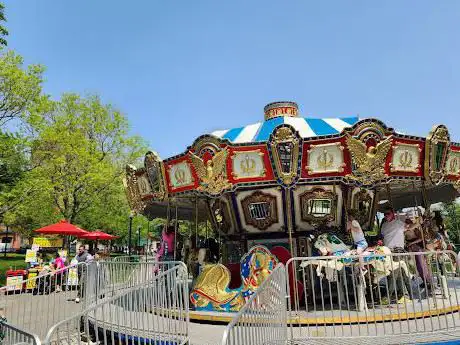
(369, 162)
(212, 174)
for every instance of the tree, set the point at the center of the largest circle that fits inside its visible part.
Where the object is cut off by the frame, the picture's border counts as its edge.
(20, 87)
(3, 30)
(78, 148)
(20, 90)
(13, 165)
(82, 148)
(452, 220)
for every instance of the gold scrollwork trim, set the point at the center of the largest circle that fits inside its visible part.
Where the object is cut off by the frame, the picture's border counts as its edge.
(285, 135)
(261, 174)
(339, 144)
(397, 144)
(439, 134)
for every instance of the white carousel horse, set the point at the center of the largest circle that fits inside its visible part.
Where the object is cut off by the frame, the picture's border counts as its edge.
(379, 258)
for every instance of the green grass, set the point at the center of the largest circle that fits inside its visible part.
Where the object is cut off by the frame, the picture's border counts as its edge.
(13, 261)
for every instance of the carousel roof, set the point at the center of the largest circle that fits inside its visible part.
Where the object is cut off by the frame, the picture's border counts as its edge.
(285, 112)
(307, 128)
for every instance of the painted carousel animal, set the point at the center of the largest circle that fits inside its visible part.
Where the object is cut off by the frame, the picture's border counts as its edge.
(211, 291)
(375, 257)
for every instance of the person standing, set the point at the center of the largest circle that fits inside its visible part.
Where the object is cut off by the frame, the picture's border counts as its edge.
(414, 243)
(59, 264)
(393, 237)
(82, 257)
(166, 252)
(359, 239)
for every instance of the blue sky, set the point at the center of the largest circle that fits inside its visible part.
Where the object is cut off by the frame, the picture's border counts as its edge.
(179, 69)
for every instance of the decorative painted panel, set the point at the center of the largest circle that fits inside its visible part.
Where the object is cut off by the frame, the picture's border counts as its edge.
(222, 215)
(180, 175)
(145, 190)
(325, 158)
(362, 202)
(318, 206)
(260, 210)
(406, 158)
(453, 163)
(248, 164)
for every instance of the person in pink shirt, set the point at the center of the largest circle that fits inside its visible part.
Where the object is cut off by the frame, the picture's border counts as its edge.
(167, 246)
(59, 266)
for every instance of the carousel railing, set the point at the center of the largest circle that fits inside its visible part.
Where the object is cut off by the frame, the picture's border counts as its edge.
(407, 296)
(262, 320)
(39, 302)
(153, 312)
(11, 335)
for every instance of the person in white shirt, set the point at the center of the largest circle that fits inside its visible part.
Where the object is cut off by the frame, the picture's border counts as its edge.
(357, 233)
(393, 231)
(393, 238)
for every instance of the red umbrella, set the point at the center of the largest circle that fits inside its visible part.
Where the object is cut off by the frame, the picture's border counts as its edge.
(98, 235)
(62, 228)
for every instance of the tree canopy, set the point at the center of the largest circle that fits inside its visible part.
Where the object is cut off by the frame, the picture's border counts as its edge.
(61, 159)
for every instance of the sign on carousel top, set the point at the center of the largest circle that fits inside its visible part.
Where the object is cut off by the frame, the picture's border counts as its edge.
(279, 113)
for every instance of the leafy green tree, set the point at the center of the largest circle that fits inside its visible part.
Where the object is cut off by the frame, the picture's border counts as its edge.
(20, 89)
(452, 220)
(83, 147)
(79, 148)
(20, 86)
(3, 30)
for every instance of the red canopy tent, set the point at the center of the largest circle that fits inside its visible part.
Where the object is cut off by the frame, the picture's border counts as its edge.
(98, 236)
(62, 228)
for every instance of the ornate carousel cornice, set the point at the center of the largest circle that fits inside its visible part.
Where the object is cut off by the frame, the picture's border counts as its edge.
(364, 153)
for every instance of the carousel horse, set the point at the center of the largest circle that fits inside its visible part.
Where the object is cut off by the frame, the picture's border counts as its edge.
(376, 257)
(211, 291)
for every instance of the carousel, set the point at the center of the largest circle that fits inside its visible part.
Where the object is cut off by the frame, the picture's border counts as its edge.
(270, 188)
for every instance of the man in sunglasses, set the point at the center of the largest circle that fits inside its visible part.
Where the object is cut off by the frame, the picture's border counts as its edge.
(393, 238)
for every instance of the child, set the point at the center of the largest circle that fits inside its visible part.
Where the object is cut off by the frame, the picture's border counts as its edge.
(59, 264)
(358, 236)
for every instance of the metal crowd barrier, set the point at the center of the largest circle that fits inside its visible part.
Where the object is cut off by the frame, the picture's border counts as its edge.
(262, 320)
(153, 312)
(39, 302)
(131, 258)
(107, 278)
(11, 335)
(392, 298)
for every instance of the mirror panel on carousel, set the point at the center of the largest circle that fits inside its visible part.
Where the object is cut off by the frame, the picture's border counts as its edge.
(317, 205)
(362, 201)
(261, 211)
(222, 215)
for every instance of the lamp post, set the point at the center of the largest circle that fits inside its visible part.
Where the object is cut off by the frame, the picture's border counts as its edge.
(138, 237)
(130, 229)
(6, 242)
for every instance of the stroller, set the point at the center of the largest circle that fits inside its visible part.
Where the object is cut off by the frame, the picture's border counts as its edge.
(44, 282)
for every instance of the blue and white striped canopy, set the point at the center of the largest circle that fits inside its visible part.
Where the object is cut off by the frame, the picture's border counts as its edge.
(307, 128)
